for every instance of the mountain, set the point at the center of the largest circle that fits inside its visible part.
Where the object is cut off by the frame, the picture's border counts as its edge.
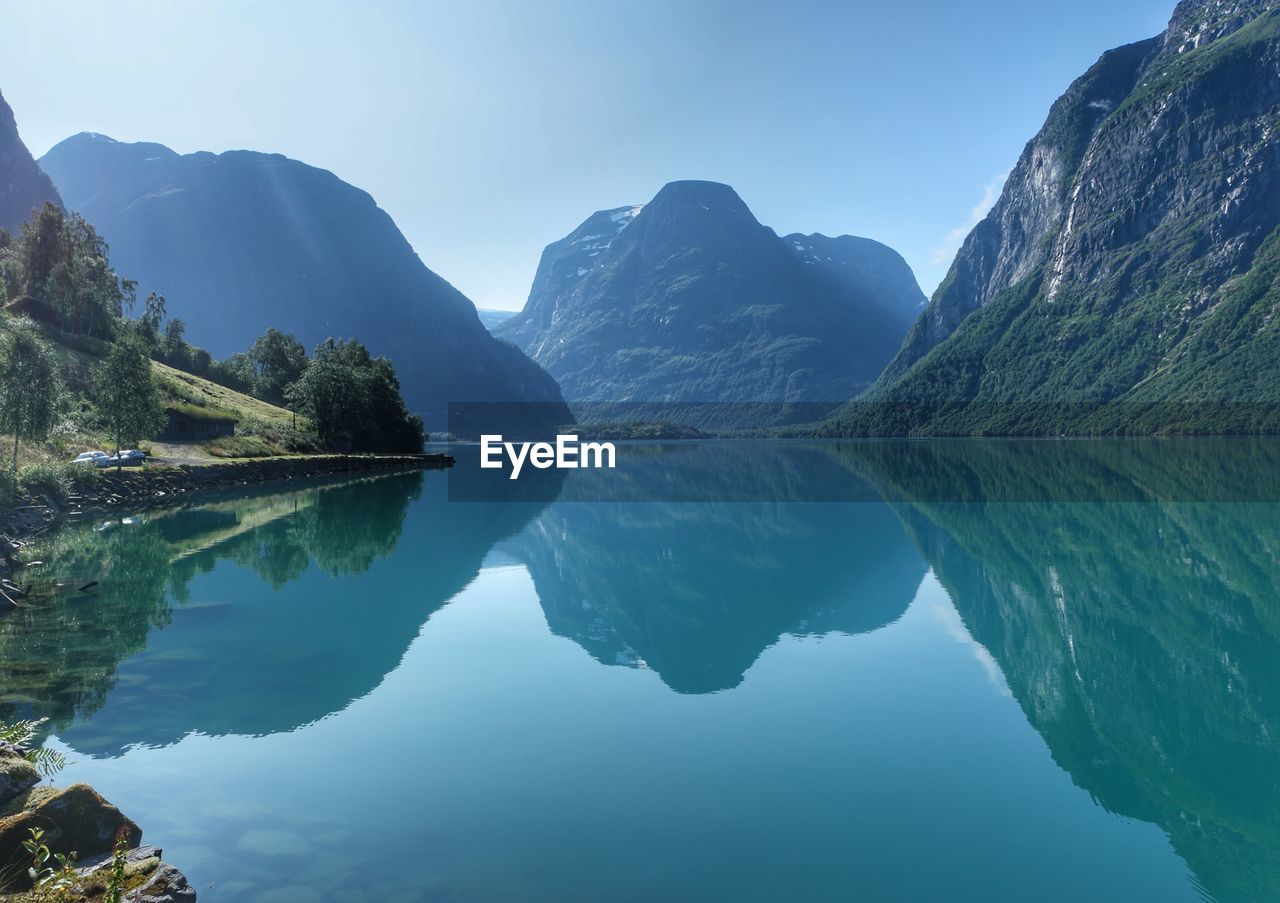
(864, 271)
(240, 241)
(1131, 257)
(689, 299)
(23, 187)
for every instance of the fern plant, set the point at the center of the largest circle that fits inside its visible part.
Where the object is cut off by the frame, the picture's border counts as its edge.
(20, 735)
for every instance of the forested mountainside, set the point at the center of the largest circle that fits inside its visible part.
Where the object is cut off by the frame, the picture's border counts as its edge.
(241, 241)
(1132, 256)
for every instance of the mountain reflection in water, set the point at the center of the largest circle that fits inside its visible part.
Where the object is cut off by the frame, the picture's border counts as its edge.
(1129, 593)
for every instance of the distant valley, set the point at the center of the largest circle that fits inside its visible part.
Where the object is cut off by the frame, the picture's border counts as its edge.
(492, 319)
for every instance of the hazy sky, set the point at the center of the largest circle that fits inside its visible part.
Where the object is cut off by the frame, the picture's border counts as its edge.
(489, 129)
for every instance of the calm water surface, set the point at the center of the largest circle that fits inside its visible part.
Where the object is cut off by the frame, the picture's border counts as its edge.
(1011, 671)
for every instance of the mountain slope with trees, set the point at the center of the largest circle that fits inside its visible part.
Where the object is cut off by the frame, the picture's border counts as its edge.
(1126, 278)
(239, 242)
(77, 370)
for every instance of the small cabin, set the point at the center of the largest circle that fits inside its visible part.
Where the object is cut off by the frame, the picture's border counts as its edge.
(190, 426)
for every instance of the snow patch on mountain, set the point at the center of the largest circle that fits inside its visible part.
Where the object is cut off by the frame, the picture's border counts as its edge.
(624, 215)
(596, 242)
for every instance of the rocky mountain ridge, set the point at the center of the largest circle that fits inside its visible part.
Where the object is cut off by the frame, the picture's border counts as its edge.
(1129, 254)
(690, 299)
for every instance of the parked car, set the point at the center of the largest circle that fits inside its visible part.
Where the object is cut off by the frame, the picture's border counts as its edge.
(127, 458)
(91, 457)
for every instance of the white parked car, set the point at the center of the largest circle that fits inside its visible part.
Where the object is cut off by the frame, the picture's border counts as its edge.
(97, 458)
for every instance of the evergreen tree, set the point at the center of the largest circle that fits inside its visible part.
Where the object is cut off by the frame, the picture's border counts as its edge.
(175, 350)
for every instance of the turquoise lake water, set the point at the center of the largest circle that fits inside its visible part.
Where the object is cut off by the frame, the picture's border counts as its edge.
(879, 671)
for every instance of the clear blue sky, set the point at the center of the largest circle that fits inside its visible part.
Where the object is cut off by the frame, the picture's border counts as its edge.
(488, 129)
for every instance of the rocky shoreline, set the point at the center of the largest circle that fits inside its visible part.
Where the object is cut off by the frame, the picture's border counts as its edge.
(78, 819)
(162, 485)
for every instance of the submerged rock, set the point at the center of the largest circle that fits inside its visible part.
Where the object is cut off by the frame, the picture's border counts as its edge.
(273, 842)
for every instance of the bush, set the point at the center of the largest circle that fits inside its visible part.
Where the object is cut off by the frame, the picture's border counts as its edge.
(45, 479)
(54, 481)
(283, 437)
(80, 478)
(8, 489)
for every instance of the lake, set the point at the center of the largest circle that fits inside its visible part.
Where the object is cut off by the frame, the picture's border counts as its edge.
(972, 670)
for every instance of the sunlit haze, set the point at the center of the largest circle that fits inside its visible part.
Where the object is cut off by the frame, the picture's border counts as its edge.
(488, 130)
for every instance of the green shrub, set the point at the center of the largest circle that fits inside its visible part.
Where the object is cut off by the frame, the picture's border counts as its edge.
(79, 477)
(283, 437)
(50, 480)
(8, 488)
(22, 736)
(54, 481)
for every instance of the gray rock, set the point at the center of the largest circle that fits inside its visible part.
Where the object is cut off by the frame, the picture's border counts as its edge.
(16, 774)
(162, 883)
(166, 885)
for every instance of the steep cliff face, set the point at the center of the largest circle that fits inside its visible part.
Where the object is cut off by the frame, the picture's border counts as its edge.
(23, 187)
(1198, 22)
(240, 241)
(1015, 237)
(864, 272)
(1108, 268)
(561, 270)
(690, 299)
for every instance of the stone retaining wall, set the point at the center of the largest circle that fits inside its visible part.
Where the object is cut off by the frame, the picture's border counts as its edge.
(160, 484)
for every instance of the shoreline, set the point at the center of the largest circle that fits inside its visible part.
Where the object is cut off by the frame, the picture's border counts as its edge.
(30, 801)
(159, 485)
